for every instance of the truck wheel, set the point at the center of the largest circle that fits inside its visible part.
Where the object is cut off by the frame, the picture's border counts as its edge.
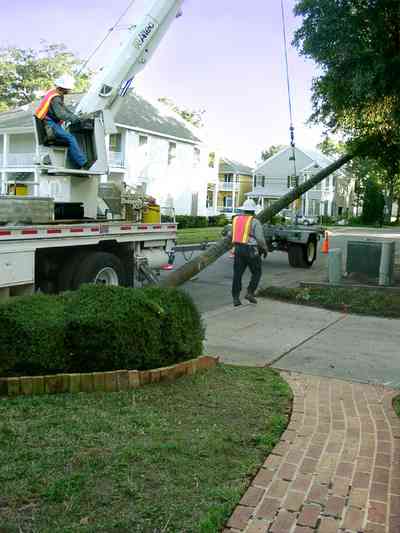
(310, 252)
(302, 255)
(296, 256)
(101, 268)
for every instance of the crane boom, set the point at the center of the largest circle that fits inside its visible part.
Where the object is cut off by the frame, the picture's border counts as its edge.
(113, 82)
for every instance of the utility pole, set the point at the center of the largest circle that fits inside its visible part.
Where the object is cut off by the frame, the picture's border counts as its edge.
(209, 256)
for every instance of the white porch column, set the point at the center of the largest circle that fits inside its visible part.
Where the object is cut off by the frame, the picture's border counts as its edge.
(6, 149)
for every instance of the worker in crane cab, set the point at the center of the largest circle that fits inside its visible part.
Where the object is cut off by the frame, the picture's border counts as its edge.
(54, 113)
(249, 245)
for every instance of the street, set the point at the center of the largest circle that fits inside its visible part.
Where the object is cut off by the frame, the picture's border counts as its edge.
(211, 289)
(286, 336)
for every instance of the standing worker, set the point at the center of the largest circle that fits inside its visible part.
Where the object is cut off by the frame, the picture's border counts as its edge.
(249, 242)
(53, 112)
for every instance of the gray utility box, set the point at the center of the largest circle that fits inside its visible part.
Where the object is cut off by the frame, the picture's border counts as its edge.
(373, 259)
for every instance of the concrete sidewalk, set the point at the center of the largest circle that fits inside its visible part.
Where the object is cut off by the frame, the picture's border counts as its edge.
(307, 339)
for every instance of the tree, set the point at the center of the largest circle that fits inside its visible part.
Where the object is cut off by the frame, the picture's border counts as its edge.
(374, 203)
(331, 148)
(26, 72)
(358, 90)
(195, 116)
(272, 150)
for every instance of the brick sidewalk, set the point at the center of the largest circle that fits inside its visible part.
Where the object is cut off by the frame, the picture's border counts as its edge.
(336, 469)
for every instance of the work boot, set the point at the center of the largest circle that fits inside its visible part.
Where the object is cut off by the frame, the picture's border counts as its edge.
(236, 302)
(250, 297)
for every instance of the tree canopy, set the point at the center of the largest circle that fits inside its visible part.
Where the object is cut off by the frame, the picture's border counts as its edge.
(356, 46)
(194, 116)
(26, 72)
(272, 150)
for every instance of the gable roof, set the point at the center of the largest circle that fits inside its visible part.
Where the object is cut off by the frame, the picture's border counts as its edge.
(135, 112)
(231, 166)
(314, 155)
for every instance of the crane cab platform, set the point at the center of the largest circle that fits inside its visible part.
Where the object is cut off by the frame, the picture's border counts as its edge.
(53, 153)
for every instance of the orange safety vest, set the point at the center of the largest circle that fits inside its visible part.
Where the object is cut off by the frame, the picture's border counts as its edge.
(43, 107)
(241, 227)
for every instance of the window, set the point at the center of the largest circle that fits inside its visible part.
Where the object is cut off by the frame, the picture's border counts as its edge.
(143, 140)
(171, 153)
(211, 159)
(143, 146)
(20, 183)
(228, 178)
(196, 156)
(227, 201)
(115, 142)
(210, 196)
(259, 181)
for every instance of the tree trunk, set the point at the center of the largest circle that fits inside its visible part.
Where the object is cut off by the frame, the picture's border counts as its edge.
(209, 256)
(389, 204)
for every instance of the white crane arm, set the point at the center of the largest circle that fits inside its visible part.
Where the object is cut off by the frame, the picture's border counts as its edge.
(113, 82)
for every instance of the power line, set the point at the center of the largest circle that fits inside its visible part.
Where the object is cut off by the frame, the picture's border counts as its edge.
(109, 32)
(291, 128)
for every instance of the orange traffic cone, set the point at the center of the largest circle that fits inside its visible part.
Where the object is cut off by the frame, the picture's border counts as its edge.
(325, 244)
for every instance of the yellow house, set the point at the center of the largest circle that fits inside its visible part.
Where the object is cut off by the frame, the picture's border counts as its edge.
(234, 181)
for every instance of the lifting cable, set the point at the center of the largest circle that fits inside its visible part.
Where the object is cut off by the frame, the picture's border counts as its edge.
(107, 35)
(291, 128)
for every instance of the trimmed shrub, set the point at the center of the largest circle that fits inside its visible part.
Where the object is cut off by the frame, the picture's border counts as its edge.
(182, 328)
(111, 328)
(32, 335)
(187, 221)
(98, 328)
(218, 221)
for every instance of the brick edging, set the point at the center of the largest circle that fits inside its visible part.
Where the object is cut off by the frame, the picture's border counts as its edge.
(115, 381)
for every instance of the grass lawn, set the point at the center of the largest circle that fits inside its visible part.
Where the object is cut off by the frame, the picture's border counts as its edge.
(360, 301)
(198, 235)
(166, 458)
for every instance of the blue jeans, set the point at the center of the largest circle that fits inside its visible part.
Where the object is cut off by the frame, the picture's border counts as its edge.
(74, 151)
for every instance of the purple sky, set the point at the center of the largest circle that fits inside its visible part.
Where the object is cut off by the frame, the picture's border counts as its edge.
(225, 56)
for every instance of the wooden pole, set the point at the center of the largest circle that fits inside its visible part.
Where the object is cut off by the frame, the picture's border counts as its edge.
(214, 252)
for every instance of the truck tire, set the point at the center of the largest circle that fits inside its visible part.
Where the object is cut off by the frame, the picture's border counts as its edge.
(296, 255)
(302, 255)
(92, 267)
(310, 252)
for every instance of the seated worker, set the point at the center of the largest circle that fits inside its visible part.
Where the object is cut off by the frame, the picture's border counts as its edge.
(52, 110)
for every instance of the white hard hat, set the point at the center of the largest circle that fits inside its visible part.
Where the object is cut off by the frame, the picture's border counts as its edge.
(249, 205)
(66, 81)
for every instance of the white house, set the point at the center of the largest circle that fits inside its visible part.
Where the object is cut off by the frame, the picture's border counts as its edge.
(153, 147)
(273, 178)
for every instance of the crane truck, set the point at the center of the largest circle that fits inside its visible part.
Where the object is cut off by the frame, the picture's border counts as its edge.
(55, 241)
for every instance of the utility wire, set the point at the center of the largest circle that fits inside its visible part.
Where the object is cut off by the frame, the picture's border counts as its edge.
(291, 128)
(109, 32)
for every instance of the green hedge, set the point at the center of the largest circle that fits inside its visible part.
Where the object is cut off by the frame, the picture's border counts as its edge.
(187, 221)
(182, 329)
(98, 328)
(32, 335)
